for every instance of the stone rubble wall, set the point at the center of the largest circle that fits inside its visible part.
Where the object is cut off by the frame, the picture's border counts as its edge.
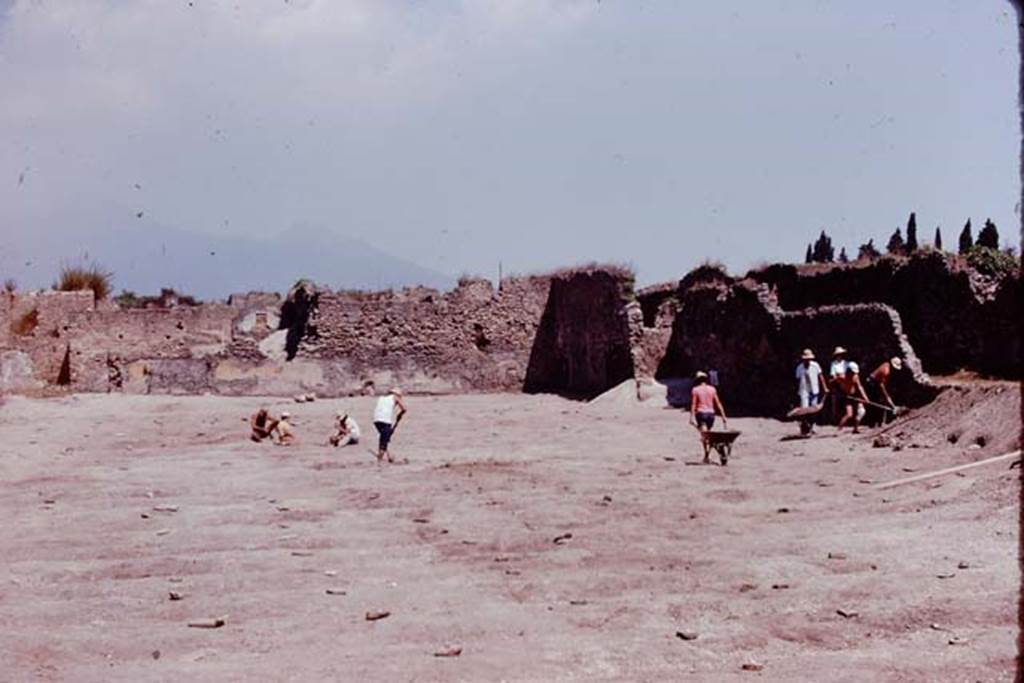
(470, 339)
(954, 318)
(740, 331)
(576, 332)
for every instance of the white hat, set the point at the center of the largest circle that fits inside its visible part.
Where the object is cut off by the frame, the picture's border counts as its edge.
(896, 363)
(807, 354)
(701, 375)
(285, 415)
(839, 351)
(396, 391)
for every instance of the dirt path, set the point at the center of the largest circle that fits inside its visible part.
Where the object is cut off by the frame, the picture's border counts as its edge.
(756, 559)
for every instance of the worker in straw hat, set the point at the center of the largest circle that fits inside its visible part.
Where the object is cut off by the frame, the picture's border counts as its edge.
(810, 380)
(704, 403)
(877, 383)
(386, 416)
(836, 372)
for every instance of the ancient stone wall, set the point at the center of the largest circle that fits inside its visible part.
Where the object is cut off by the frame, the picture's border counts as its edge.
(739, 331)
(951, 315)
(470, 339)
(585, 343)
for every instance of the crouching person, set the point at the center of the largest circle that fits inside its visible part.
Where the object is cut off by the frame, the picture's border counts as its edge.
(346, 430)
(262, 425)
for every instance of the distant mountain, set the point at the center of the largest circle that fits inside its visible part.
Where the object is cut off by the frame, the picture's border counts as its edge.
(149, 256)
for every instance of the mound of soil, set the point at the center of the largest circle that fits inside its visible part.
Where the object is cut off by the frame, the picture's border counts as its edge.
(983, 417)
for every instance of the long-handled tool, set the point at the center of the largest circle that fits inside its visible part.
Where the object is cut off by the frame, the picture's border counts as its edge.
(872, 403)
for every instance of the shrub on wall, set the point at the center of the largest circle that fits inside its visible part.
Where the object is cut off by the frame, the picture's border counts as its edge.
(79, 278)
(992, 262)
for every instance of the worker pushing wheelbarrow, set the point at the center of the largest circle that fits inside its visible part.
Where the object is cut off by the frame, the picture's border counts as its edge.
(704, 404)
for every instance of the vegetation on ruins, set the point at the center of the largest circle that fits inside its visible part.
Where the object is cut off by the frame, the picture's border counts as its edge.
(10, 286)
(992, 262)
(85, 277)
(966, 238)
(168, 298)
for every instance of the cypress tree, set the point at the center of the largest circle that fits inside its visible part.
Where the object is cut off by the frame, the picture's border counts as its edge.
(823, 251)
(912, 233)
(966, 238)
(938, 239)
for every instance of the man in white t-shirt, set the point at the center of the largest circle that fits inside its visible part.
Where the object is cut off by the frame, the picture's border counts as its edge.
(837, 371)
(811, 386)
(386, 416)
(346, 430)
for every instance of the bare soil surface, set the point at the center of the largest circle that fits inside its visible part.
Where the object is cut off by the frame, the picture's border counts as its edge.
(789, 560)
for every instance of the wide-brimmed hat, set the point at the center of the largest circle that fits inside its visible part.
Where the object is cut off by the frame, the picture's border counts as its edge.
(396, 391)
(285, 415)
(807, 354)
(839, 351)
(896, 363)
(701, 375)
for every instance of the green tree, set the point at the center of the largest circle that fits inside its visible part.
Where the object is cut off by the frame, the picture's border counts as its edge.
(938, 239)
(988, 236)
(823, 252)
(808, 256)
(896, 244)
(868, 251)
(843, 258)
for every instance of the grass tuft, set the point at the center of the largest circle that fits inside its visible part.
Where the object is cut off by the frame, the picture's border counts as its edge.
(90, 277)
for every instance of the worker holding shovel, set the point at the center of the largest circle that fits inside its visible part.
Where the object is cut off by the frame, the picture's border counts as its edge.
(852, 396)
(386, 416)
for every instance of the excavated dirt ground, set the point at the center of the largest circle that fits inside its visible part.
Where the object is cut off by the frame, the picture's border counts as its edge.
(756, 559)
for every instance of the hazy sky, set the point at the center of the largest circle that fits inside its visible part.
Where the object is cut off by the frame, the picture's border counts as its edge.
(457, 133)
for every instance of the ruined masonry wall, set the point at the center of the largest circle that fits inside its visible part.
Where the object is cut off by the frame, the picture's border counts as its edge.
(470, 339)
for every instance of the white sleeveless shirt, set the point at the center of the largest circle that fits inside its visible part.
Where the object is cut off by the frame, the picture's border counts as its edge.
(385, 410)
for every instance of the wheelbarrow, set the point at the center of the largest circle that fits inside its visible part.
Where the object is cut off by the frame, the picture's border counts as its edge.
(806, 416)
(721, 442)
